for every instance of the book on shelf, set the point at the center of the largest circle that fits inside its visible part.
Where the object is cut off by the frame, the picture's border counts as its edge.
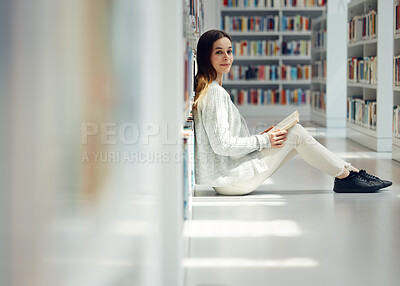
(288, 122)
(362, 70)
(318, 100)
(269, 96)
(396, 70)
(268, 23)
(362, 27)
(269, 72)
(188, 166)
(296, 47)
(319, 39)
(260, 48)
(256, 48)
(318, 70)
(362, 112)
(369, 25)
(356, 29)
(396, 121)
(297, 23)
(273, 3)
(397, 17)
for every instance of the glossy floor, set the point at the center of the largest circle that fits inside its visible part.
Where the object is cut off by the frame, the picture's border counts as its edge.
(294, 230)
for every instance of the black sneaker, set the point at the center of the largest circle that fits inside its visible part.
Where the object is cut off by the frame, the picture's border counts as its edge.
(385, 183)
(355, 183)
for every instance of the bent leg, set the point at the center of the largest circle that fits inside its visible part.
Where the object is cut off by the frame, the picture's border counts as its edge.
(302, 143)
(299, 142)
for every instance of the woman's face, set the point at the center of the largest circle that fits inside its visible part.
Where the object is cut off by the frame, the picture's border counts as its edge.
(221, 56)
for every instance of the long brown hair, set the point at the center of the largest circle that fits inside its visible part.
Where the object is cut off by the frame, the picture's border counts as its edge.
(206, 73)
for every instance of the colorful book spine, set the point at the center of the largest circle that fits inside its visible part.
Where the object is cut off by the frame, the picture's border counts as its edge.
(396, 121)
(296, 48)
(362, 112)
(271, 48)
(188, 167)
(362, 70)
(269, 72)
(318, 100)
(318, 70)
(297, 23)
(362, 27)
(269, 96)
(397, 17)
(396, 70)
(257, 48)
(268, 23)
(188, 82)
(319, 39)
(273, 3)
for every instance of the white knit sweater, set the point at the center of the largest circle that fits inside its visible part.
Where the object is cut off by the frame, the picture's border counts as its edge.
(225, 152)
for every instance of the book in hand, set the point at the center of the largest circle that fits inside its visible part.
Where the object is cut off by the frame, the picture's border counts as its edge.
(288, 122)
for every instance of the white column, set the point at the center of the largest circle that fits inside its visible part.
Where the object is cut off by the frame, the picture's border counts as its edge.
(384, 95)
(336, 89)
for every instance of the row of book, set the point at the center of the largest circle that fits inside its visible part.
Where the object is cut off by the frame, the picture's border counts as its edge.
(303, 3)
(396, 70)
(195, 11)
(362, 112)
(257, 48)
(260, 48)
(273, 3)
(318, 70)
(362, 27)
(296, 48)
(269, 96)
(270, 23)
(397, 17)
(269, 72)
(319, 39)
(297, 23)
(188, 167)
(318, 100)
(396, 121)
(189, 71)
(362, 70)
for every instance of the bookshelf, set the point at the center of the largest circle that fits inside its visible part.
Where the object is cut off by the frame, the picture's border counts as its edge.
(318, 70)
(277, 39)
(369, 84)
(396, 81)
(192, 29)
(328, 83)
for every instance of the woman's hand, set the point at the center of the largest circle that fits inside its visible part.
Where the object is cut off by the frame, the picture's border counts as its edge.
(277, 138)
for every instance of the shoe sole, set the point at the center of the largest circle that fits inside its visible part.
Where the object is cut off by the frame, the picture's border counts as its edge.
(358, 191)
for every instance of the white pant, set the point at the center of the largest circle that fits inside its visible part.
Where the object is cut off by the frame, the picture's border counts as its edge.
(299, 142)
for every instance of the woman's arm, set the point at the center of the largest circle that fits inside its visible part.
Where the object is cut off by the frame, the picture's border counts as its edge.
(216, 123)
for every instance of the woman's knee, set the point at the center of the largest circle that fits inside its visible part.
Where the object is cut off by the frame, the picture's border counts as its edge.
(300, 133)
(298, 129)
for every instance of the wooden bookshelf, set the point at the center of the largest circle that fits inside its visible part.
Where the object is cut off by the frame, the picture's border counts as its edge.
(281, 59)
(379, 137)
